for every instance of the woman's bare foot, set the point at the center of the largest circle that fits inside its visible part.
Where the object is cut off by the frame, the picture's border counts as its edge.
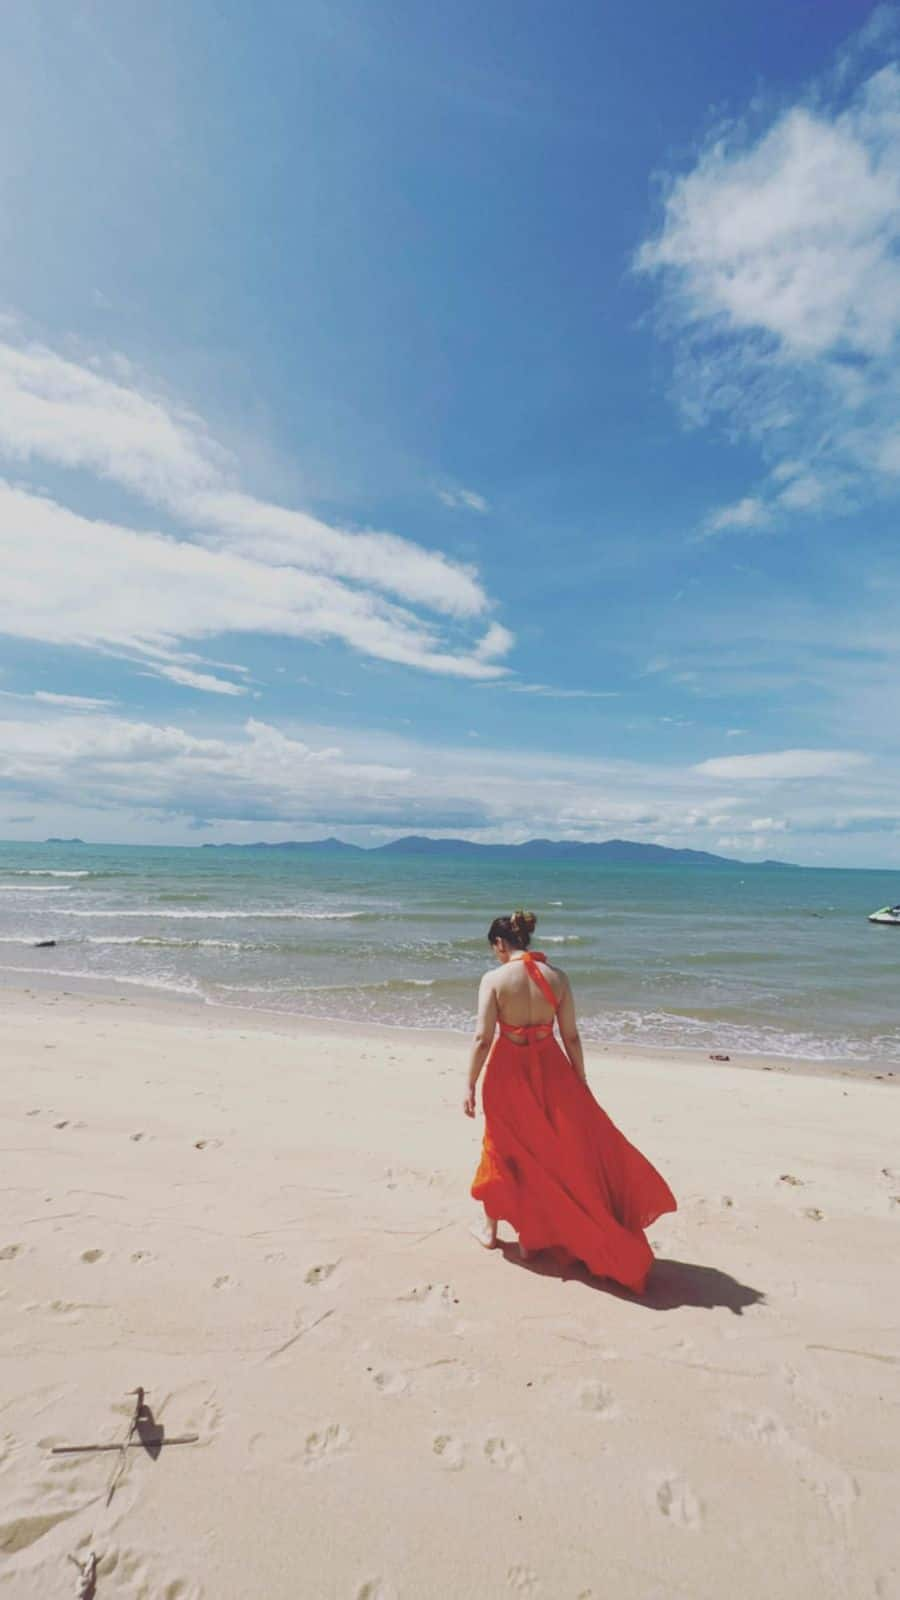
(525, 1254)
(485, 1231)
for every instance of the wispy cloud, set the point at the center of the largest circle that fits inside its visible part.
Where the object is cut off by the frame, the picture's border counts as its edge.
(779, 266)
(241, 563)
(750, 512)
(784, 764)
(550, 692)
(463, 500)
(75, 702)
(110, 586)
(206, 681)
(70, 702)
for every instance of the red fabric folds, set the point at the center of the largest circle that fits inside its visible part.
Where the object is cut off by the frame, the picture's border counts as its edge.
(556, 1168)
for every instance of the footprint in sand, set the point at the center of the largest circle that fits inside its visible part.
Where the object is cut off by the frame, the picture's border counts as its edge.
(500, 1454)
(814, 1214)
(829, 1483)
(198, 1410)
(598, 1398)
(137, 1137)
(788, 1177)
(325, 1443)
(374, 1589)
(140, 1582)
(450, 1452)
(126, 1564)
(207, 1144)
(523, 1581)
(320, 1272)
(431, 1299)
(223, 1282)
(70, 1310)
(141, 1255)
(390, 1382)
(10, 1251)
(676, 1500)
(90, 1256)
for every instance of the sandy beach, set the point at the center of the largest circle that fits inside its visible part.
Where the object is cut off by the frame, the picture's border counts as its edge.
(266, 1228)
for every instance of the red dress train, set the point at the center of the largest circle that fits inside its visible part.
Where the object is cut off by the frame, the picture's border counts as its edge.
(555, 1166)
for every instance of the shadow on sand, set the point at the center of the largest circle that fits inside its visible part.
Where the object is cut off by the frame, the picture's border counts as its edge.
(151, 1433)
(672, 1283)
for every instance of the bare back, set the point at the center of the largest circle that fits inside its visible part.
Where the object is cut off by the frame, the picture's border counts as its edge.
(526, 1005)
(520, 1003)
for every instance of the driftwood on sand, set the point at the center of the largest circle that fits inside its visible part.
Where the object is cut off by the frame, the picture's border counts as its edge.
(87, 1576)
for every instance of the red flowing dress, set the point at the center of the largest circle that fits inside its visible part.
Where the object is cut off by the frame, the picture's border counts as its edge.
(555, 1166)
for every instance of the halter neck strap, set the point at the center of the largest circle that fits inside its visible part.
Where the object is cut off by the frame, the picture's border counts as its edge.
(530, 960)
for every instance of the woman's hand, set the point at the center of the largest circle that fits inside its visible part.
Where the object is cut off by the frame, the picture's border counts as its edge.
(469, 1103)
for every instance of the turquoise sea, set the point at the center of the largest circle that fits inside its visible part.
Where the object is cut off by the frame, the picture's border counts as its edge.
(776, 961)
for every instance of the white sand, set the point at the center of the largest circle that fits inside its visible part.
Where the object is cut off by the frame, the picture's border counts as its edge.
(268, 1231)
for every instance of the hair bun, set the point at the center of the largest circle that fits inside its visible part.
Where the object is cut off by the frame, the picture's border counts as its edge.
(524, 924)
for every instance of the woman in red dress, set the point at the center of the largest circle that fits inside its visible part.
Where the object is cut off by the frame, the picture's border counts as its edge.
(552, 1165)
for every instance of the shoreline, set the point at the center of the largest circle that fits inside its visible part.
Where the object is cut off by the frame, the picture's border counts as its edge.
(160, 1006)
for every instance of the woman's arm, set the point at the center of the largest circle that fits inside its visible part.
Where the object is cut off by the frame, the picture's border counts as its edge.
(484, 1038)
(568, 1028)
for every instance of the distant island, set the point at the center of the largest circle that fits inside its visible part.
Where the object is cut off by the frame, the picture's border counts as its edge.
(64, 841)
(619, 852)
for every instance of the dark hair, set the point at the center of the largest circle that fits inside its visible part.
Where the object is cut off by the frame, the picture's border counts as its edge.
(515, 930)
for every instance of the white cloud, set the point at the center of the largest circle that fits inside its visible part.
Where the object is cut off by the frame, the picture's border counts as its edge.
(305, 577)
(779, 262)
(463, 500)
(804, 492)
(71, 580)
(381, 560)
(118, 762)
(71, 702)
(496, 642)
(794, 236)
(550, 692)
(206, 681)
(784, 764)
(110, 776)
(742, 844)
(75, 702)
(747, 513)
(52, 409)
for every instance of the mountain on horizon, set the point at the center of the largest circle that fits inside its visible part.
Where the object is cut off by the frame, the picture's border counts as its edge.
(623, 852)
(321, 847)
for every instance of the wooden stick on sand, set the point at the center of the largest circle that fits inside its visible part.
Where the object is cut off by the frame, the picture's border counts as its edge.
(87, 1576)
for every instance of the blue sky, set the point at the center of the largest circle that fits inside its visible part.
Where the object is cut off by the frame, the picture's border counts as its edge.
(483, 422)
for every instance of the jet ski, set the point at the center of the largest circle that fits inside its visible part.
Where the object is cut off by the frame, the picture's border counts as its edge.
(888, 916)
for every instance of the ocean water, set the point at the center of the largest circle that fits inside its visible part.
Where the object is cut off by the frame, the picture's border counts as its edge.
(775, 961)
